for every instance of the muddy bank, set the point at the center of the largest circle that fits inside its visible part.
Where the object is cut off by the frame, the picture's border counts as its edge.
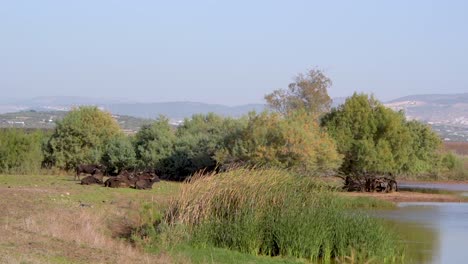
(406, 196)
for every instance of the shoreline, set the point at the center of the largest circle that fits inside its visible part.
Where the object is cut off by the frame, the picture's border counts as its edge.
(408, 196)
(450, 182)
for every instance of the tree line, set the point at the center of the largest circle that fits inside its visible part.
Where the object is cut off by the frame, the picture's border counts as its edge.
(299, 132)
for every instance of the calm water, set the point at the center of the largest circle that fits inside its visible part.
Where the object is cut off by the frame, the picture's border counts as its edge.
(433, 232)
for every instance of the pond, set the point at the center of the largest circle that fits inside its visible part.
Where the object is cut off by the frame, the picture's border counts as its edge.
(432, 232)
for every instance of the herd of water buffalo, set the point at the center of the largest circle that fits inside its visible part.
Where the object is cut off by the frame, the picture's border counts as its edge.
(141, 180)
(369, 182)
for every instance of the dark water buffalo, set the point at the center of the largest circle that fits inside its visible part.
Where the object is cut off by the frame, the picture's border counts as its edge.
(116, 183)
(370, 182)
(89, 169)
(90, 180)
(137, 180)
(124, 179)
(98, 174)
(145, 184)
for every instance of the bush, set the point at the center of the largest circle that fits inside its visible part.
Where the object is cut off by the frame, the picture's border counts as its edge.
(154, 143)
(197, 141)
(454, 167)
(20, 151)
(294, 141)
(271, 212)
(376, 139)
(118, 154)
(79, 137)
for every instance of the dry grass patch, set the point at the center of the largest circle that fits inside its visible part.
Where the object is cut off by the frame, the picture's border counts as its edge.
(42, 222)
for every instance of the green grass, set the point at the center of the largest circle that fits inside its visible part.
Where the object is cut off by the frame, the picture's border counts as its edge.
(224, 256)
(59, 186)
(272, 213)
(363, 203)
(261, 202)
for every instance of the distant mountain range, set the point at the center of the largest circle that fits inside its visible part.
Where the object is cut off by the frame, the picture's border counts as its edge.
(439, 109)
(180, 110)
(447, 113)
(449, 109)
(173, 110)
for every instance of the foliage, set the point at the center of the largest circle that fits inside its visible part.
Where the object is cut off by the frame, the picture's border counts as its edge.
(295, 142)
(79, 137)
(118, 154)
(271, 212)
(197, 141)
(154, 143)
(308, 92)
(454, 167)
(374, 138)
(20, 151)
(424, 145)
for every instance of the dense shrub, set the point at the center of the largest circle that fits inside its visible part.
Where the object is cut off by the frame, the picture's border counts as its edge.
(454, 167)
(118, 154)
(293, 141)
(154, 143)
(424, 155)
(197, 141)
(20, 151)
(79, 137)
(374, 138)
(271, 212)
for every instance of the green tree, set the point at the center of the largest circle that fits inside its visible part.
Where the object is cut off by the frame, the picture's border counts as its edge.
(198, 140)
(20, 151)
(424, 156)
(154, 143)
(376, 139)
(294, 142)
(80, 137)
(119, 154)
(308, 91)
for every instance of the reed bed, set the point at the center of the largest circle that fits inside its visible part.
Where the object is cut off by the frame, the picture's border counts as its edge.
(275, 213)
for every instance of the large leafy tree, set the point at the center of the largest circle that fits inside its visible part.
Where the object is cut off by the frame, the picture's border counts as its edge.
(376, 139)
(308, 91)
(154, 143)
(198, 140)
(20, 151)
(425, 142)
(295, 142)
(79, 137)
(119, 154)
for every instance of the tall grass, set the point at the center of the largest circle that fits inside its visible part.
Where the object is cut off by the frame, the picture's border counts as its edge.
(271, 212)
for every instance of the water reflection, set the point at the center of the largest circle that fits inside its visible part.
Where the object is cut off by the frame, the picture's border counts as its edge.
(433, 232)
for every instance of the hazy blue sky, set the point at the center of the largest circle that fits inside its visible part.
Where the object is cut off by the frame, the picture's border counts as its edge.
(230, 53)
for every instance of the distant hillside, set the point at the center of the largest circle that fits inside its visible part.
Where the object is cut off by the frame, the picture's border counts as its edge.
(447, 113)
(46, 120)
(438, 109)
(173, 110)
(435, 98)
(180, 110)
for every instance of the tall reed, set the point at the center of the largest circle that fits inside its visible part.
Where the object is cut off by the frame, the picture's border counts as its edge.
(272, 212)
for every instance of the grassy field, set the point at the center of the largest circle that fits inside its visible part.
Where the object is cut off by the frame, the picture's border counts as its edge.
(53, 219)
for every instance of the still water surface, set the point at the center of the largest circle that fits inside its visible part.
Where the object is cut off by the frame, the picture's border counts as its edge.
(433, 232)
